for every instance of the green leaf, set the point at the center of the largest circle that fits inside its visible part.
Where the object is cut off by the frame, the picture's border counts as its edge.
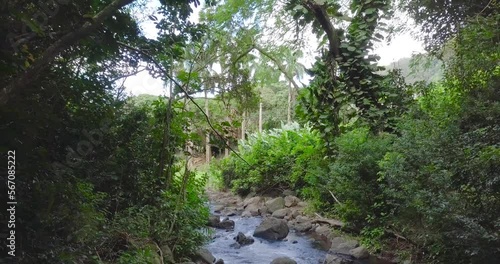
(370, 11)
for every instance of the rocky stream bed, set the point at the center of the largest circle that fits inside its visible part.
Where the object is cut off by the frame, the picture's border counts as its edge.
(261, 230)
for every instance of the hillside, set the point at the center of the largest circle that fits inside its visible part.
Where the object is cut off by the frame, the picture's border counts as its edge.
(419, 69)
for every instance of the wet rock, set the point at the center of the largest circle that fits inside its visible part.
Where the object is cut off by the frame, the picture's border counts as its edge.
(291, 201)
(246, 214)
(229, 211)
(275, 204)
(204, 255)
(283, 260)
(213, 220)
(243, 240)
(281, 213)
(219, 261)
(272, 228)
(226, 224)
(360, 253)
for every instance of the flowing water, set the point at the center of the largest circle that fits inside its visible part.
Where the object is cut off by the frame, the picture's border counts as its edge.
(262, 251)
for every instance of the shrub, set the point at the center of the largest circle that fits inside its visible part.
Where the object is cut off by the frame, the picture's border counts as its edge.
(287, 158)
(442, 179)
(353, 178)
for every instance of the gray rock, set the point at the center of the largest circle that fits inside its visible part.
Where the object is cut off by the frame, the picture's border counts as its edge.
(303, 226)
(291, 201)
(275, 204)
(283, 260)
(246, 214)
(206, 256)
(302, 219)
(219, 261)
(243, 240)
(229, 211)
(263, 210)
(295, 213)
(334, 259)
(226, 224)
(302, 204)
(213, 220)
(360, 253)
(218, 208)
(253, 200)
(323, 230)
(281, 213)
(272, 228)
(342, 245)
(289, 192)
(253, 209)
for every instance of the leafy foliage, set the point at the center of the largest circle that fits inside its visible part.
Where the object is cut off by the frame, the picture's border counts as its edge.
(279, 159)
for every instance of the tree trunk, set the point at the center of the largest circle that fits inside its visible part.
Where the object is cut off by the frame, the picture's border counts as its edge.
(260, 117)
(289, 112)
(208, 150)
(243, 125)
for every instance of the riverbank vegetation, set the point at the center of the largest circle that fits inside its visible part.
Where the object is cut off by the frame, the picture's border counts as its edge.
(104, 177)
(427, 177)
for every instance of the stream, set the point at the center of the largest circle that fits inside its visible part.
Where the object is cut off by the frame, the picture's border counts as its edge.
(305, 251)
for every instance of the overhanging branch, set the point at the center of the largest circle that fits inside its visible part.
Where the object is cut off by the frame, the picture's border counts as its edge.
(155, 62)
(32, 73)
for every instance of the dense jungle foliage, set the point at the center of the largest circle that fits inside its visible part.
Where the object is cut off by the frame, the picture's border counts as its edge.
(103, 177)
(430, 178)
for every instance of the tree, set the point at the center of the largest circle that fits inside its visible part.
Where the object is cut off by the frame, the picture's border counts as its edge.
(441, 20)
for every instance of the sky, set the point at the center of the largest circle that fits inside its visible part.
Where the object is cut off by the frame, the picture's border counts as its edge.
(401, 46)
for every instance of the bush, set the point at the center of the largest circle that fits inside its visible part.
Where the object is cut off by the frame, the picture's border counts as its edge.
(353, 178)
(442, 180)
(287, 158)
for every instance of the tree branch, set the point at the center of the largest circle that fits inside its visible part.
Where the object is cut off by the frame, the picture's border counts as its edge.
(324, 20)
(32, 73)
(155, 62)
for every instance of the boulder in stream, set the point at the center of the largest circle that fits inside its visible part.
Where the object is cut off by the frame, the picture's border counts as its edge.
(213, 221)
(226, 224)
(272, 228)
(243, 240)
(283, 260)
